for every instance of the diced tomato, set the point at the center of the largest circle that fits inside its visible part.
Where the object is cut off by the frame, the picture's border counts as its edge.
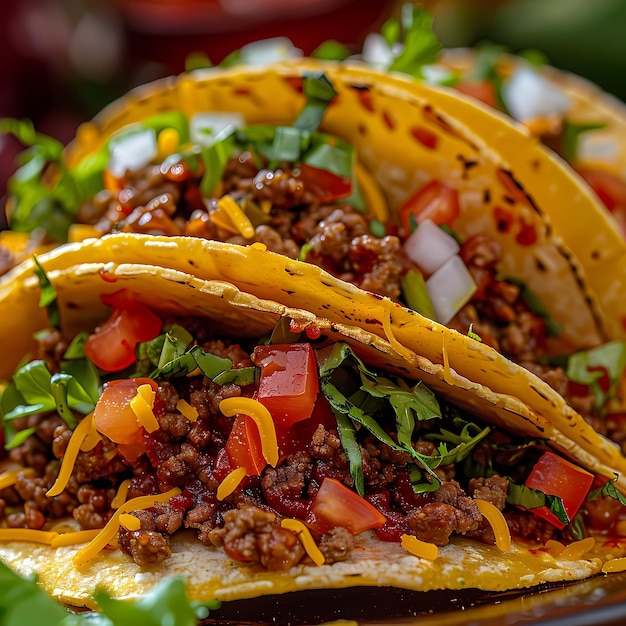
(244, 446)
(295, 437)
(324, 184)
(482, 90)
(434, 201)
(289, 383)
(115, 418)
(337, 505)
(611, 189)
(556, 476)
(112, 346)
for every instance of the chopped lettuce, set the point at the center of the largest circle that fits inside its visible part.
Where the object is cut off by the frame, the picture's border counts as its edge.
(363, 398)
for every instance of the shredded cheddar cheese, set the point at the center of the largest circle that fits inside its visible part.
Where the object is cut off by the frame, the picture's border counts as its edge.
(576, 549)
(168, 142)
(447, 372)
(230, 483)
(143, 409)
(120, 496)
(92, 438)
(69, 458)
(555, 546)
(8, 479)
(262, 418)
(187, 410)
(80, 232)
(614, 565)
(375, 200)
(257, 245)
(129, 522)
(235, 214)
(419, 548)
(306, 539)
(395, 344)
(27, 534)
(74, 538)
(497, 522)
(109, 532)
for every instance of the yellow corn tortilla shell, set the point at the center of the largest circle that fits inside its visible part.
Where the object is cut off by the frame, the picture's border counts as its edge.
(415, 338)
(479, 152)
(210, 574)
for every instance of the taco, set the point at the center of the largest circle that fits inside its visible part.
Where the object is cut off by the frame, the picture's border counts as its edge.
(172, 426)
(349, 205)
(576, 118)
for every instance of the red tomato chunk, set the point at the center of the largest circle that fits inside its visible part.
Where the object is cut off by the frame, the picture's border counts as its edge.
(289, 382)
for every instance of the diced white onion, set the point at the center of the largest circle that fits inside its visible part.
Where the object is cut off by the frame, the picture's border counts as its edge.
(429, 246)
(132, 151)
(592, 147)
(376, 51)
(267, 51)
(437, 75)
(527, 95)
(208, 128)
(449, 288)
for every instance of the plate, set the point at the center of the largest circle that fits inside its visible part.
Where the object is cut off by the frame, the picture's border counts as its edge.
(599, 601)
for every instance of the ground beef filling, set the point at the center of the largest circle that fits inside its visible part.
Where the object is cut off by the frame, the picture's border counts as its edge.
(338, 238)
(191, 456)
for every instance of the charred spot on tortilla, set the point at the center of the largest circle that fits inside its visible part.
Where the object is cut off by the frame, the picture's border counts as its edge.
(387, 119)
(439, 120)
(466, 164)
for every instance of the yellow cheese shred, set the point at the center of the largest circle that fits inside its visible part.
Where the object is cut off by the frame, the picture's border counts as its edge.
(142, 409)
(576, 549)
(187, 410)
(129, 522)
(74, 538)
(262, 418)
(168, 142)
(395, 344)
(120, 496)
(236, 216)
(497, 522)
(615, 565)
(419, 548)
(108, 533)
(69, 458)
(8, 479)
(447, 372)
(230, 483)
(92, 438)
(27, 534)
(555, 546)
(306, 539)
(373, 195)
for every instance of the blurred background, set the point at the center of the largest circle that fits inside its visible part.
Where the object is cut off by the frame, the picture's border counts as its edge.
(63, 60)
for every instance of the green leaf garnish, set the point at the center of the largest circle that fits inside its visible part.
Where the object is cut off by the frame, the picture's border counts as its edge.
(319, 94)
(571, 137)
(521, 495)
(472, 335)
(331, 50)
(420, 44)
(369, 398)
(608, 490)
(416, 295)
(588, 366)
(48, 295)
